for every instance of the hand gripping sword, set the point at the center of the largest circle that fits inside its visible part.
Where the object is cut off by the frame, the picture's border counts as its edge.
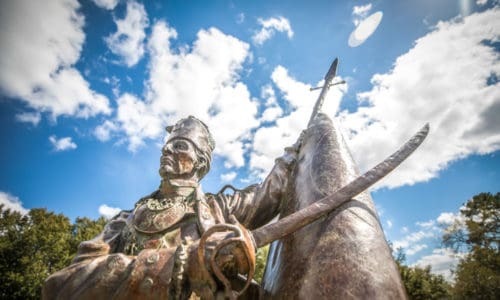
(291, 223)
(330, 75)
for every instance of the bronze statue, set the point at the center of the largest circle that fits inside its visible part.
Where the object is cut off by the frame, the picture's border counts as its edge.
(180, 243)
(151, 252)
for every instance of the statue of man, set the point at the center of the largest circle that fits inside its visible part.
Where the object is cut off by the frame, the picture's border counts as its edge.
(151, 251)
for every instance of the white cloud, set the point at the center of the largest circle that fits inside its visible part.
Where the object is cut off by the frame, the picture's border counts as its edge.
(409, 240)
(240, 18)
(106, 4)
(364, 29)
(428, 84)
(442, 261)
(29, 117)
(62, 144)
(269, 141)
(40, 72)
(269, 27)
(12, 202)
(360, 12)
(447, 218)
(108, 212)
(128, 41)
(137, 120)
(428, 224)
(404, 229)
(481, 2)
(219, 99)
(415, 249)
(271, 114)
(103, 131)
(272, 109)
(389, 224)
(228, 177)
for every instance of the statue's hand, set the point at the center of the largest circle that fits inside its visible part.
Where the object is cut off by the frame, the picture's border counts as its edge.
(226, 250)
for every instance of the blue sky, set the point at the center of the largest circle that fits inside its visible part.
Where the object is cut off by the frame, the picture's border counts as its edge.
(86, 89)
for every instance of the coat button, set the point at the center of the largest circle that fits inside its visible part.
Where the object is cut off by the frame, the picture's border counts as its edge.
(147, 283)
(153, 258)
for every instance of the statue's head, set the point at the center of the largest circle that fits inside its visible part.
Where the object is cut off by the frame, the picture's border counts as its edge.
(188, 150)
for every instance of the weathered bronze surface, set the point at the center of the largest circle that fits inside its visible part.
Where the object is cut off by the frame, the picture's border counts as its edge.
(290, 223)
(180, 243)
(344, 255)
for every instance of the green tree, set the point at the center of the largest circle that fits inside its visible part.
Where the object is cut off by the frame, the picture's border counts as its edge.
(420, 283)
(478, 231)
(31, 247)
(85, 229)
(35, 245)
(260, 262)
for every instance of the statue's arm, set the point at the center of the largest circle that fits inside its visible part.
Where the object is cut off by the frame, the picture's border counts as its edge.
(258, 204)
(99, 273)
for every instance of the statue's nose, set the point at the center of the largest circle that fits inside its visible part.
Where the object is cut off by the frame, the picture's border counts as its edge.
(167, 149)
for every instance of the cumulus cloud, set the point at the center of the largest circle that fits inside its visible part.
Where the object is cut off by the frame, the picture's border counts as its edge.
(442, 261)
(219, 98)
(12, 202)
(411, 240)
(428, 224)
(106, 4)
(41, 73)
(272, 110)
(62, 144)
(128, 41)
(269, 28)
(481, 2)
(415, 249)
(228, 177)
(429, 233)
(428, 84)
(108, 212)
(269, 140)
(360, 12)
(103, 131)
(29, 117)
(448, 218)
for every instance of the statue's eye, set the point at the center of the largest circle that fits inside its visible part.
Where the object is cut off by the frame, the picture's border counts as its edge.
(181, 145)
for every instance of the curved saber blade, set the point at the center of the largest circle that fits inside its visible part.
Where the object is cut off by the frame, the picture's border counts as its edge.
(291, 223)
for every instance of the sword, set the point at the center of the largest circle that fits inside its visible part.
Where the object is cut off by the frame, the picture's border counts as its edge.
(330, 75)
(249, 241)
(291, 223)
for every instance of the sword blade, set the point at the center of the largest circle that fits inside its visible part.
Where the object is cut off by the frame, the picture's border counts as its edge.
(330, 75)
(291, 223)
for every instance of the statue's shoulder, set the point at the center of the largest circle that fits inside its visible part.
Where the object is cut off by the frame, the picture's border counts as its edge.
(229, 191)
(145, 198)
(230, 198)
(119, 221)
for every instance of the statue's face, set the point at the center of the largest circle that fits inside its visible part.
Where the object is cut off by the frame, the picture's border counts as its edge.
(178, 158)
